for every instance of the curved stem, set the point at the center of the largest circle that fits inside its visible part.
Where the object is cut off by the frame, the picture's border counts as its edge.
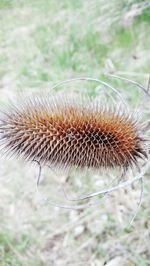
(89, 79)
(119, 186)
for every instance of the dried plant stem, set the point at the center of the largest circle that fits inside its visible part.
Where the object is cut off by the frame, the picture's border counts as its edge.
(39, 173)
(140, 201)
(119, 186)
(105, 192)
(146, 91)
(90, 79)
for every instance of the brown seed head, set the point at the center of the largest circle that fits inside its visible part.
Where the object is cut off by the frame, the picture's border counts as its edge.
(71, 132)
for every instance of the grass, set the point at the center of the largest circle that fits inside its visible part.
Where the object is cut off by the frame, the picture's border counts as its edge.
(43, 42)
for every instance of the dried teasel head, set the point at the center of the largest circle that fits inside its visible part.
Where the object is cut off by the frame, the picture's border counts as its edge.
(70, 131)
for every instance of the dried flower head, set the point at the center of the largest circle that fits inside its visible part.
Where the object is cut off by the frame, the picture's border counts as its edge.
(72, 132)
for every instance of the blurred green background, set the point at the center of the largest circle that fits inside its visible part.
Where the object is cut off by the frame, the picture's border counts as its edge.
(43, 42)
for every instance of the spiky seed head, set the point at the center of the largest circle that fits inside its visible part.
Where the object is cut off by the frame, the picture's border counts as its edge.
(71, 132)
